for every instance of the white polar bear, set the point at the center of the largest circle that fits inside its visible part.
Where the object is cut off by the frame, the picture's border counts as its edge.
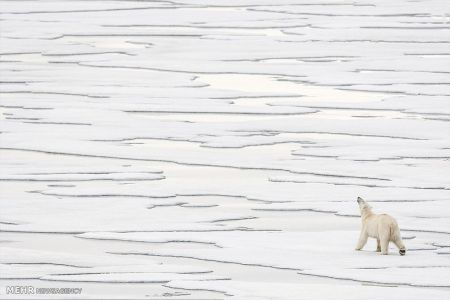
(382, 227)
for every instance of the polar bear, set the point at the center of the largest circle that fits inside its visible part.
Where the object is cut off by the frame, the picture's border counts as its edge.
(382, 227)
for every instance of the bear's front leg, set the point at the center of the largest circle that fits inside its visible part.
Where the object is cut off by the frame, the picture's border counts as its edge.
(362, 240)
(378, 245)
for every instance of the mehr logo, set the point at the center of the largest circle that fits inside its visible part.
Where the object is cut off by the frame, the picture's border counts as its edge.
(20, 289)
(28, 290)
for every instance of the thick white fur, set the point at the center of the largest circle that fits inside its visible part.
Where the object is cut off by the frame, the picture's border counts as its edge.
(382, 227)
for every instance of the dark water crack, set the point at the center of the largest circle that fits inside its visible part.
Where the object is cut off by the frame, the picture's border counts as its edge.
(194, 164)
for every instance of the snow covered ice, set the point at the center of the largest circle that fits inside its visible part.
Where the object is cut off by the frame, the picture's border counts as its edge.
(200, 149)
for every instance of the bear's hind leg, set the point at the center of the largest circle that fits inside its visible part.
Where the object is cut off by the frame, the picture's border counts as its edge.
(384, 246)
(399, 243)
(378, 245)
(384, 236)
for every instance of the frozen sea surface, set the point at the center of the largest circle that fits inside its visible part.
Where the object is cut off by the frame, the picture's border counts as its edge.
(214, 149)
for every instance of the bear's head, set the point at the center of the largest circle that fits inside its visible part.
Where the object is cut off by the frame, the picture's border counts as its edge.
(363, 205)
